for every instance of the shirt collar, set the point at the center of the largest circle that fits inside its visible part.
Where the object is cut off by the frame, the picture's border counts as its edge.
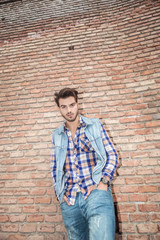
(83, 120)
(82, 124)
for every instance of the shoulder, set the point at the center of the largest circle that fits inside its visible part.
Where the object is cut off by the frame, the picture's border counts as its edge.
(57, 132)
(90, 120)
(93, 125)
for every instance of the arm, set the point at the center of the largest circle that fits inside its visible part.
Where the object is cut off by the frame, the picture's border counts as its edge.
(112, 156)
(53, 173)
(53, 167)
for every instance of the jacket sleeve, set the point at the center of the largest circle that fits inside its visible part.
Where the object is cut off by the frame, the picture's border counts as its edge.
(53, 167)
(112, 156)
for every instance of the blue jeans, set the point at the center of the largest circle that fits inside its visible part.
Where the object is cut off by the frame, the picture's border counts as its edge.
(92, 218)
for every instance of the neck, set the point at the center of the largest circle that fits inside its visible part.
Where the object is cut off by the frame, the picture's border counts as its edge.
(73, 125)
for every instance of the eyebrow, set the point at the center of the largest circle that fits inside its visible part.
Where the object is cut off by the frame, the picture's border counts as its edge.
(63, 105)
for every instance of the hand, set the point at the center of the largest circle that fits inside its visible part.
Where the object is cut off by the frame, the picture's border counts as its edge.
(65, 199)
(102, 186)
(91, 189)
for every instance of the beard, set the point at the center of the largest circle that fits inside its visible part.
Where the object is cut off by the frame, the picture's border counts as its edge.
(70, 117)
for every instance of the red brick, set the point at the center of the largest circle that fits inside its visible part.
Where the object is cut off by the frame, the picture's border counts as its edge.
(38, 191)
(53, 218)
(148, 162)
(153, 124)
(147, 189)
(129, 147)
(133, 180)
(18, 218)
(120, 198)
(23, 175)
(147, 72)
(15, 209)
(16, 237)
(144, 118)
(124, 208)
(154, 197)
(8, 200)
(30, 209)
(154, 154)
(145, 146)
(43, 200)
(129, 102)
(147, 228)
(153, 179)
(127, 133)
(155, 237)
(119, 180)
(124, 172)
(156, 217)
(148, 207)
(25, 200)
(129, 189)
(28, 227)
(60, 228)
(22, 161)
(13, 184)
(46, 228)
(8, 227)
(136, 126)
(130, 163)
(139, 106)
(137, 237)
(138, 197)
(139, 217)
(4, 218)
(37, 236)
(48, 209)
(143, 131)
(127, 228)
(123, 217)
(35, 218)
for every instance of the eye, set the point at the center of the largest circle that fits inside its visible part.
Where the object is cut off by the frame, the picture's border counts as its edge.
(63, 107)
(72, 105)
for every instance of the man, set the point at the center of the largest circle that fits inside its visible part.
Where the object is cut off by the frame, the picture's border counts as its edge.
(83, 164)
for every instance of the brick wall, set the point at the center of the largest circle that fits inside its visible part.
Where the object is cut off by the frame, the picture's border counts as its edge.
(109, 51)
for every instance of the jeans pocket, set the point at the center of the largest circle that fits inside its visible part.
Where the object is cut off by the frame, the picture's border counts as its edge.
(63, 204)
(102, 195)
(105, 190)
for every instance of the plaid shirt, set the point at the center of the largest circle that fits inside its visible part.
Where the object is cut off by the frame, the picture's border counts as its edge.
(80, 161)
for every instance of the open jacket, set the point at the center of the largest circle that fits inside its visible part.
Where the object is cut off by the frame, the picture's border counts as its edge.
(60, 141)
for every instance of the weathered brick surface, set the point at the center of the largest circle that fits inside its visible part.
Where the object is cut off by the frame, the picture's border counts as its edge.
(109, 51)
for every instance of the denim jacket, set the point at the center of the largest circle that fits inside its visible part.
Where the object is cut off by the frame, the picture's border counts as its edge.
(60, 140)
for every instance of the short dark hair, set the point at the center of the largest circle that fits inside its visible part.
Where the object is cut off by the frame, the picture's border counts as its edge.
(65, 93)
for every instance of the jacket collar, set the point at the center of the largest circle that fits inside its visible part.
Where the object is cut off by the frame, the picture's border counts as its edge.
(87, 121)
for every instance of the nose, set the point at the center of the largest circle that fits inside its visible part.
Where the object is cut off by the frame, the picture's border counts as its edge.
(68, 109)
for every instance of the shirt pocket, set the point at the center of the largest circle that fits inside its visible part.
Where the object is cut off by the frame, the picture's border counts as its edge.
(86, 146)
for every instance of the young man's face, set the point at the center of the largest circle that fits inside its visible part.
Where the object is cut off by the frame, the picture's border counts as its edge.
(68, 108)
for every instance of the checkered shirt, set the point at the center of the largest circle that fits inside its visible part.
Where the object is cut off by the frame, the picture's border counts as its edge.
(80, 161)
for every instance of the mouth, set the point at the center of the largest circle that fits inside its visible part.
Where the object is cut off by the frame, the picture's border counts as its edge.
(69, 115)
